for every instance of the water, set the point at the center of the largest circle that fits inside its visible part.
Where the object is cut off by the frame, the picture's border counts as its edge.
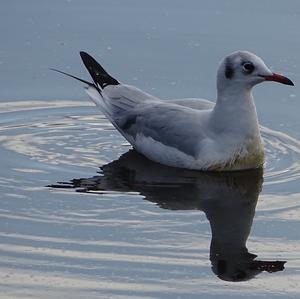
(83, 216)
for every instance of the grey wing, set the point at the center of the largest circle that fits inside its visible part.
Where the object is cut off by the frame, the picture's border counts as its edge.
(169, 124)
(134, 112)
(118, 102)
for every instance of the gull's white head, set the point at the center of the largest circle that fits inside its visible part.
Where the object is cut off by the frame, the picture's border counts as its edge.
(242, 70)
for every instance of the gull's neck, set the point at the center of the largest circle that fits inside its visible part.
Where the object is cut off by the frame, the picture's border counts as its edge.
(235, 110)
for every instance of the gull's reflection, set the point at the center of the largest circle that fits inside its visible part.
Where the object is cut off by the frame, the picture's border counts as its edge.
(227, 199)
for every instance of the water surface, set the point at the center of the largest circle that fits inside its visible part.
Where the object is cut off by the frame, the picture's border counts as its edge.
(136, 228)
(82, 215)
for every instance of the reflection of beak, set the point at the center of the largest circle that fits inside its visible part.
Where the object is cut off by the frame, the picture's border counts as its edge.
(269, 266)
(278, 78)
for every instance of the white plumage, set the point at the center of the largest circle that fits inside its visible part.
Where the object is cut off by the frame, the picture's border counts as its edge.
(190, 133)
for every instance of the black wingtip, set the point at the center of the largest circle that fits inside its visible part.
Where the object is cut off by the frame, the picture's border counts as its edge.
(97, 72)
(84, 55)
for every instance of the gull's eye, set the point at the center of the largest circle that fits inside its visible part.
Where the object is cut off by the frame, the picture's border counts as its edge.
(248, 67)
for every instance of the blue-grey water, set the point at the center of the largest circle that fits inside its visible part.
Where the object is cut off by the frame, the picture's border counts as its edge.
(82, 215)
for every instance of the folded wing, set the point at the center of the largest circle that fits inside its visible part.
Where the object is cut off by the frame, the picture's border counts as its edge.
(140, 116)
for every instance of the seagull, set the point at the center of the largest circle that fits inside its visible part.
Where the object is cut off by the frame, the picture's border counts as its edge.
(189, 133)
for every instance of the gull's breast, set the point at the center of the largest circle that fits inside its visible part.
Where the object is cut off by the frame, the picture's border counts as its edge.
(247, 155)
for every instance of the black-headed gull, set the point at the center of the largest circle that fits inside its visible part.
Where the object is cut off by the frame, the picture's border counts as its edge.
(189, 133)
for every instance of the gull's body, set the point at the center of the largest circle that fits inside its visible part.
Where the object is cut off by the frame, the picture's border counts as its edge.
(190, 133)
(182, 133)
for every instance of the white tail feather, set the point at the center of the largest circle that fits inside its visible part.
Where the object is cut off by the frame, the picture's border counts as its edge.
(97, 98)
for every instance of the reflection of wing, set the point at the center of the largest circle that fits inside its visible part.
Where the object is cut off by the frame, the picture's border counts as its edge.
(188, 189)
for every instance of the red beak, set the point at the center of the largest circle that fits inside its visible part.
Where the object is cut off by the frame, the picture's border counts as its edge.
(279, 78)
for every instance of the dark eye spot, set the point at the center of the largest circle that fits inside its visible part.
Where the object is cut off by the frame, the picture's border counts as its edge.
(229, 72)
(248, 67)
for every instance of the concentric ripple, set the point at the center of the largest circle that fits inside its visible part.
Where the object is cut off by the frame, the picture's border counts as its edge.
(115, 243)
(59, 133)
(73, 133)
(282, 157)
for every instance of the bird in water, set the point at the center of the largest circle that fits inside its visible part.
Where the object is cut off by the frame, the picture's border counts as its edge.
(189, 133)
